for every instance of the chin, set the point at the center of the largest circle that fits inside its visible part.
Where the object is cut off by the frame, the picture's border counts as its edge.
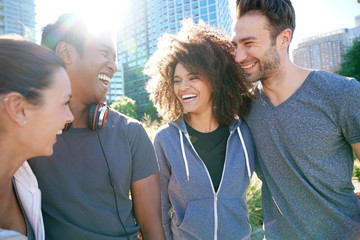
(48, 152)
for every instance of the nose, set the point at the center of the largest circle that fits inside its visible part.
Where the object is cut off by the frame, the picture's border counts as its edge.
(240, 54)
(112, 65)
(69, 115)
(184, 85)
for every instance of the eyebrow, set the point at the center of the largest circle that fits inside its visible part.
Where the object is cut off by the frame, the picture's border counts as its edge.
(244, 39)
(190, 73)
(109, 48)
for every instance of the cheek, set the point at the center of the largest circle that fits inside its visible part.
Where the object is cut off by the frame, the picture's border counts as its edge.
(176, 92)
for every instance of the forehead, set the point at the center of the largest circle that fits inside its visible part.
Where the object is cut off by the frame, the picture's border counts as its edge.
(250, 26)
(101, 40)
(61, 79)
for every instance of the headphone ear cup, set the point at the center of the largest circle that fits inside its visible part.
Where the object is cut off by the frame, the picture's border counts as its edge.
(97, 116)
(93, 116)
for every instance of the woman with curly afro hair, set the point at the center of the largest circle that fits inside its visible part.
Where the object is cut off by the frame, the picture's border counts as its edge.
(205, 151)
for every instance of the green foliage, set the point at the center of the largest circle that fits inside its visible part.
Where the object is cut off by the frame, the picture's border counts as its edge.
(150, 110)
(357, 172)
(351, 65)
(126, 106)
(254, 203)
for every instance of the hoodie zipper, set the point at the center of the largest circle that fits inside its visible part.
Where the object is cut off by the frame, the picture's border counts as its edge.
(212, 186)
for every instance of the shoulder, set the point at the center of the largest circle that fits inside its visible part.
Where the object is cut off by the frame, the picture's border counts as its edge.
(165, 131)
(116, 118)
(334, 82)
(25, 176)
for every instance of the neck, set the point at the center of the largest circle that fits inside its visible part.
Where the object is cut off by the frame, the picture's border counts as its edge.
(284, 83)
(205, 122)
(12, 157)
(81, 114)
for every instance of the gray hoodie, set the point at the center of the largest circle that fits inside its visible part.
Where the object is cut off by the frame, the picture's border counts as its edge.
(191, 209)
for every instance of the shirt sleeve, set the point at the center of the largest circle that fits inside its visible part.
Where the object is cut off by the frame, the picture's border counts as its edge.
(349, 111)
(165, 173)
(144, 161)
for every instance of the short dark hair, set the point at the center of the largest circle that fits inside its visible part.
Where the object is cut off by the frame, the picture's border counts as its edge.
(68, 28)
(26, 67)
(280, 13)
(198, 47)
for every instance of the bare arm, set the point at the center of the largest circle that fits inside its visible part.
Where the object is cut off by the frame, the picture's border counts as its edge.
(146, 198)
(356, 147)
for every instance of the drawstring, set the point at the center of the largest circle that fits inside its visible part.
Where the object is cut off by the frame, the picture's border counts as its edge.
(184, 155)
(242, 143)
(245, 151)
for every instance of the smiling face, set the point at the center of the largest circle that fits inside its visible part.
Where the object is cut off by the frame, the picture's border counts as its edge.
(193, 89)
(254, 49)
(91, 72)
(48, 118)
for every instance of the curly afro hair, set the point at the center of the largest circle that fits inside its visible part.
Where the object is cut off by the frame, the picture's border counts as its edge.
(199, 47)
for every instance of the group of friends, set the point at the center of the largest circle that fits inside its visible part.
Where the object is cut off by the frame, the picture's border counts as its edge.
(232, 106)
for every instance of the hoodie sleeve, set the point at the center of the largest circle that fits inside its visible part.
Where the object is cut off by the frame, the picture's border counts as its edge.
(165, 172)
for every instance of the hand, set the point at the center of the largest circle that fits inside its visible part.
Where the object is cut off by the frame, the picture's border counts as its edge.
(358, 194)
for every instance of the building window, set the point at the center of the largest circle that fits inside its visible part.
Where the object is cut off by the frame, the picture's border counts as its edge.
(212, 9)
(203, 11)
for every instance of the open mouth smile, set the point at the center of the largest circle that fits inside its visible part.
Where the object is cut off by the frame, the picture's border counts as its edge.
(188, 97)
(105, 79)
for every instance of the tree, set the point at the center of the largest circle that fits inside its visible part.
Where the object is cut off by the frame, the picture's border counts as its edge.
(126, 106)
(351, 65)
(150, 110)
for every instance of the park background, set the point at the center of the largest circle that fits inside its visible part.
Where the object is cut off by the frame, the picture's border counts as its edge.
(324, 27)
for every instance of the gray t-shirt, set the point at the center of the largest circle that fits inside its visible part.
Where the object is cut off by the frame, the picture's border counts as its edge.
(306, 159)
(77, 198)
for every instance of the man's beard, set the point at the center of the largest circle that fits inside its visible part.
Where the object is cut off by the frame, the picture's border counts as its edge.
(268, 66)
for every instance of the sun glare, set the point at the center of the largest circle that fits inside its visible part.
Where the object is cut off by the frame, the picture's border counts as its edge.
(101, 15)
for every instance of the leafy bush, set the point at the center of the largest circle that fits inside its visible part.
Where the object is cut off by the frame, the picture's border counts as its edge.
(126, 106)
(253, 200)
(357, 172)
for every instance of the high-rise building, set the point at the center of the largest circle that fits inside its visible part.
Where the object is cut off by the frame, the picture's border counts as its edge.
(325, 51)
(146, 21)
(116, 88)
(18, 16)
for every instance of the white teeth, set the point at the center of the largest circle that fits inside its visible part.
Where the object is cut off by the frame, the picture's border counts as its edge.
(248, 66)
(105, 79)
(188, 96)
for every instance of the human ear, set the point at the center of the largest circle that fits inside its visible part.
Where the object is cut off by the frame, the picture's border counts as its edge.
(285, 38)
(63, 50)
(15, 106)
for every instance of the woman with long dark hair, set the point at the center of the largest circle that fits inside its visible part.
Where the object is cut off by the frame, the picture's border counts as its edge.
(34, 96)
